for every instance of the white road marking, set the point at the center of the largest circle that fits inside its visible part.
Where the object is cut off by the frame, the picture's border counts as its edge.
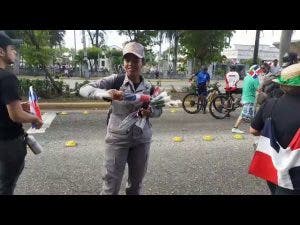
(48, 117)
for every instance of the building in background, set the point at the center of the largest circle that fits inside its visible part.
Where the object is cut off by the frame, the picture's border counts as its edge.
(245, 52)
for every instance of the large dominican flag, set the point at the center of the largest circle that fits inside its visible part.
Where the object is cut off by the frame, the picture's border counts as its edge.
(34, 107)
(274, 163)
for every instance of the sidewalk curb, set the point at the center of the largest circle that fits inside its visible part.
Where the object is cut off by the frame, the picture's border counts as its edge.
(74, 105)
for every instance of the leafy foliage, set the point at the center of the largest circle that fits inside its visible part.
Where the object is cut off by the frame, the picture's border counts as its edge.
(144, 37)
(205, 46)
(44, 88)
(115, 56)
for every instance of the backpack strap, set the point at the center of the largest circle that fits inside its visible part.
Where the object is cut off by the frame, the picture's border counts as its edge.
(152, 89)
(118, 81)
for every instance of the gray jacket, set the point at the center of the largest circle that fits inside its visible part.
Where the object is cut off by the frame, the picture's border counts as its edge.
(120, 109)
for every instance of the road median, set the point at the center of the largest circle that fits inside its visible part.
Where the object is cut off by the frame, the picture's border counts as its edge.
(74, 105)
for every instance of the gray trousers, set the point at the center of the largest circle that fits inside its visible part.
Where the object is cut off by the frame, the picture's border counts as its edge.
(116, 157)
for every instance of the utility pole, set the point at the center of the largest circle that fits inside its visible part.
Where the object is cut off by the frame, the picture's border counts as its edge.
(75, 52)
(86, 73)
(75, 41)
(285, 42)
(159, 53)
(255, 54)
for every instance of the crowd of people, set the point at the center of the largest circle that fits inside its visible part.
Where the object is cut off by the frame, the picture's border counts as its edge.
(275, 92)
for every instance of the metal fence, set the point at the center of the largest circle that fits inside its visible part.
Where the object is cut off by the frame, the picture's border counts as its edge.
(78, 73)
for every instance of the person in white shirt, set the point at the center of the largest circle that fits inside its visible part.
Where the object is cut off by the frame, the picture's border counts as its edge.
(275, 68)
(231, 79)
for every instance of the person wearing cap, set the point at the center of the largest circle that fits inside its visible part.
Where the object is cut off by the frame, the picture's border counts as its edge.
(12, 115)
(250, 86)
(133, 146)
(284, 114)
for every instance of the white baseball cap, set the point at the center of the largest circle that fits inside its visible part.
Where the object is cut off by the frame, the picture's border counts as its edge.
(134, 48)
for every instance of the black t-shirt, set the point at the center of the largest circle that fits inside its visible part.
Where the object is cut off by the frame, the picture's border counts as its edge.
(9, 92)
(285, 117)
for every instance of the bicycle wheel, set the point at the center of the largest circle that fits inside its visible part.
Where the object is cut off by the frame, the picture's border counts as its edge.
(217, 107)
(190, 103)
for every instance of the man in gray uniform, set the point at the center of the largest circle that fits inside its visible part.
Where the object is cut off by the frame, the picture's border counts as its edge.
(130, 146)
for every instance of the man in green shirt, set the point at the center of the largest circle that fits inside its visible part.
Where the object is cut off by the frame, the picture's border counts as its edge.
(250, 86)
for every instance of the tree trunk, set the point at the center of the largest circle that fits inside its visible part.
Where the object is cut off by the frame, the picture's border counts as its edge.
(85, 59)
(159, 53)
(97, 45)
(285, 42)
(90, 65)
(256, 47)
(176, 39)
(91, 37)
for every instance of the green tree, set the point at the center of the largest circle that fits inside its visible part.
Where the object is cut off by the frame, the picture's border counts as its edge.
(205, 46)
(56, 37)
(174, 35)
(96, 37)
(97, 40)
(37, 48)
(144, 37)
(116, 58)
(92, 55)
(150, 57)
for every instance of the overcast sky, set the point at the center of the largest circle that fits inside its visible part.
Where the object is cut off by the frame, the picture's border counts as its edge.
(267, 37)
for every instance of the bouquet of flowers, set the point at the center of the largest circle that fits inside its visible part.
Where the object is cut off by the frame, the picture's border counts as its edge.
(157, 100)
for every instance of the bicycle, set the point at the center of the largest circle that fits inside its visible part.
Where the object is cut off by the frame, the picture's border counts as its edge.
(193, 103)
(224, 103)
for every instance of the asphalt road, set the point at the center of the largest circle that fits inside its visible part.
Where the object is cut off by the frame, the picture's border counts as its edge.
(191, 167)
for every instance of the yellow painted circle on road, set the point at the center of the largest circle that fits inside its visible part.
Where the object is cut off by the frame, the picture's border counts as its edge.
(85, 112)
(173, 110)
(71, 143)
(238, 136)
(177, 139)
(208, 138)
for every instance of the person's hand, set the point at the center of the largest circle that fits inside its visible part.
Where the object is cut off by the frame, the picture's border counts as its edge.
(145, 112)
(25, 106)
(116, 95)
(38, 123)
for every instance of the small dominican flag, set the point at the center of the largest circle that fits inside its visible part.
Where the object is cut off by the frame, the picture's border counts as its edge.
(136, 97)
(33, 101)
(274, 163)
(254, 71)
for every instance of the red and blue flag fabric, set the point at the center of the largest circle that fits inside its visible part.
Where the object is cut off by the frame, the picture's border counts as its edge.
(274, 163)
(33, 102)
(254, 71)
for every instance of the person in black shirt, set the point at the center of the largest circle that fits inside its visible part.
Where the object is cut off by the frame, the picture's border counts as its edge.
(12, 115)
(284, 113)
